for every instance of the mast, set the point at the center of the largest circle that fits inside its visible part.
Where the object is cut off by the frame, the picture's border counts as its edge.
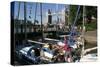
(68, 19)
(18, 10)
(57, 13)
(68, 15)
(83, 31)
(41, 20)
(17, 18)
(57, 19)
(25, 21)
(35, 17)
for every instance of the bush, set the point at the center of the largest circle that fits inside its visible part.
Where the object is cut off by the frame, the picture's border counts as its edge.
(91, 26)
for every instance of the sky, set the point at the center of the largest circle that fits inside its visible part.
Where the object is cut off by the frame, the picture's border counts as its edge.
(30, 6)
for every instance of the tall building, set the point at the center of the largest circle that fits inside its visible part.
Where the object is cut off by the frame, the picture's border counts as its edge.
(63, 15)
(49, 17)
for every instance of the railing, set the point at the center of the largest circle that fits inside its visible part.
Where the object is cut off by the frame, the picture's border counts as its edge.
(90, 49)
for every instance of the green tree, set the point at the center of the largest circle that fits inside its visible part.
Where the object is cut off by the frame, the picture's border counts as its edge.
(91, 11)
(73, 11)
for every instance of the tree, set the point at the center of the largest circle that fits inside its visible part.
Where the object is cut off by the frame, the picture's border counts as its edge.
(73, 11)
(91, 11)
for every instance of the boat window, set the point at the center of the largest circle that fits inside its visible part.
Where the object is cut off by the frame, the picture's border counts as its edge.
(37, 52)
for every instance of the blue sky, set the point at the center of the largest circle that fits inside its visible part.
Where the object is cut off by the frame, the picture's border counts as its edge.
(45, 6)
